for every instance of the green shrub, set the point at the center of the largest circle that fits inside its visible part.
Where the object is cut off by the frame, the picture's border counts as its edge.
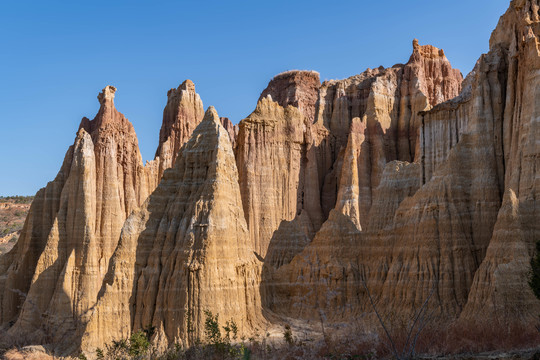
(287, 334)
(99, 354)
(211, 329)
(534, 278)
(139, 342)
(222, 345)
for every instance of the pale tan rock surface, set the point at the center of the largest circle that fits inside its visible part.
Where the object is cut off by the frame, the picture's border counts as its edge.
(387, 101)
(448, 227)
(185, 251)
(379, 107)
(371, 183)
(55, 271)
(500, 291)
(272, 166)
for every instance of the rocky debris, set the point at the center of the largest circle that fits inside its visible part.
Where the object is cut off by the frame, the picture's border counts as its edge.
(32, 352)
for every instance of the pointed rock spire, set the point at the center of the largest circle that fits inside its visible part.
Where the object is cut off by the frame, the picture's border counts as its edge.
(106, 96)
(183, 112)
(207, 261)
(76, 226)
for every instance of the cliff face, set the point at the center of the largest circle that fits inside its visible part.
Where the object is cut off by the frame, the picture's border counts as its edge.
(453, 223)
(51, 279)
(232, 130)
(290, 168)
(183, 112)
(272, 166)
(185, 251)
(55, 272)
(391, 184)
(500, 290)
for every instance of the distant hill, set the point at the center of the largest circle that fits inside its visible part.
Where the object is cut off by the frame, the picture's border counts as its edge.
(13, 211)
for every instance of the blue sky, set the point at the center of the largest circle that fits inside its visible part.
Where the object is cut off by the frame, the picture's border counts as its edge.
(56, 56)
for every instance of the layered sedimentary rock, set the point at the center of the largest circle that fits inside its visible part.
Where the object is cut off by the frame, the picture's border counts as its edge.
(274, 177)
(500, 291)
(388, 100)
(51, 279)
(185, 251)
(296, 88)
(379, 106)
(183, 112)
(55, 271)
(461, 225)
(232, 130)
(387, 184)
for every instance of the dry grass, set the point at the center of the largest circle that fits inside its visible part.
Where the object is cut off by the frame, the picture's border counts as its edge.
(26, 354)
(490, 337)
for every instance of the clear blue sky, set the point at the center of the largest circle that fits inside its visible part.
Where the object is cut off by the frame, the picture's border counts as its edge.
(56, 56)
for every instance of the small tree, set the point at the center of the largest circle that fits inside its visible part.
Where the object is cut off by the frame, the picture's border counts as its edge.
(287, 335)
(420, 320)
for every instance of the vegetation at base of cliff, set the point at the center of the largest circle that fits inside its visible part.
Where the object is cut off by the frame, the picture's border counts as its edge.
(216, 345)
(534, 278)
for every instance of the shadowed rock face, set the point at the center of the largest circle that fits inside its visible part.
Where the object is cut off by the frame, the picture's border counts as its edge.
(459, 221)
(54, 273)
(232, 130)
(290, 165)
(185, 251)
(392, 180)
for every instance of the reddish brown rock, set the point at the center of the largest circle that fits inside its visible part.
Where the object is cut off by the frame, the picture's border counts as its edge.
(296, 88)
(183, 112)
(366, 182)
(232, 130)
(54, 273)
(385, 103)
(441, 224)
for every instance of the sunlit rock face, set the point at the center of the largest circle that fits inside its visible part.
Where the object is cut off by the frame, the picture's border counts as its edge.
(183, 112)
(403, 184)
(53, 275)
(186, 251)
(290, 149)
(459, 222)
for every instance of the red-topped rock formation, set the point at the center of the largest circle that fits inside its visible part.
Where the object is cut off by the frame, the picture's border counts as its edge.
(383, 103)
(296, 88)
